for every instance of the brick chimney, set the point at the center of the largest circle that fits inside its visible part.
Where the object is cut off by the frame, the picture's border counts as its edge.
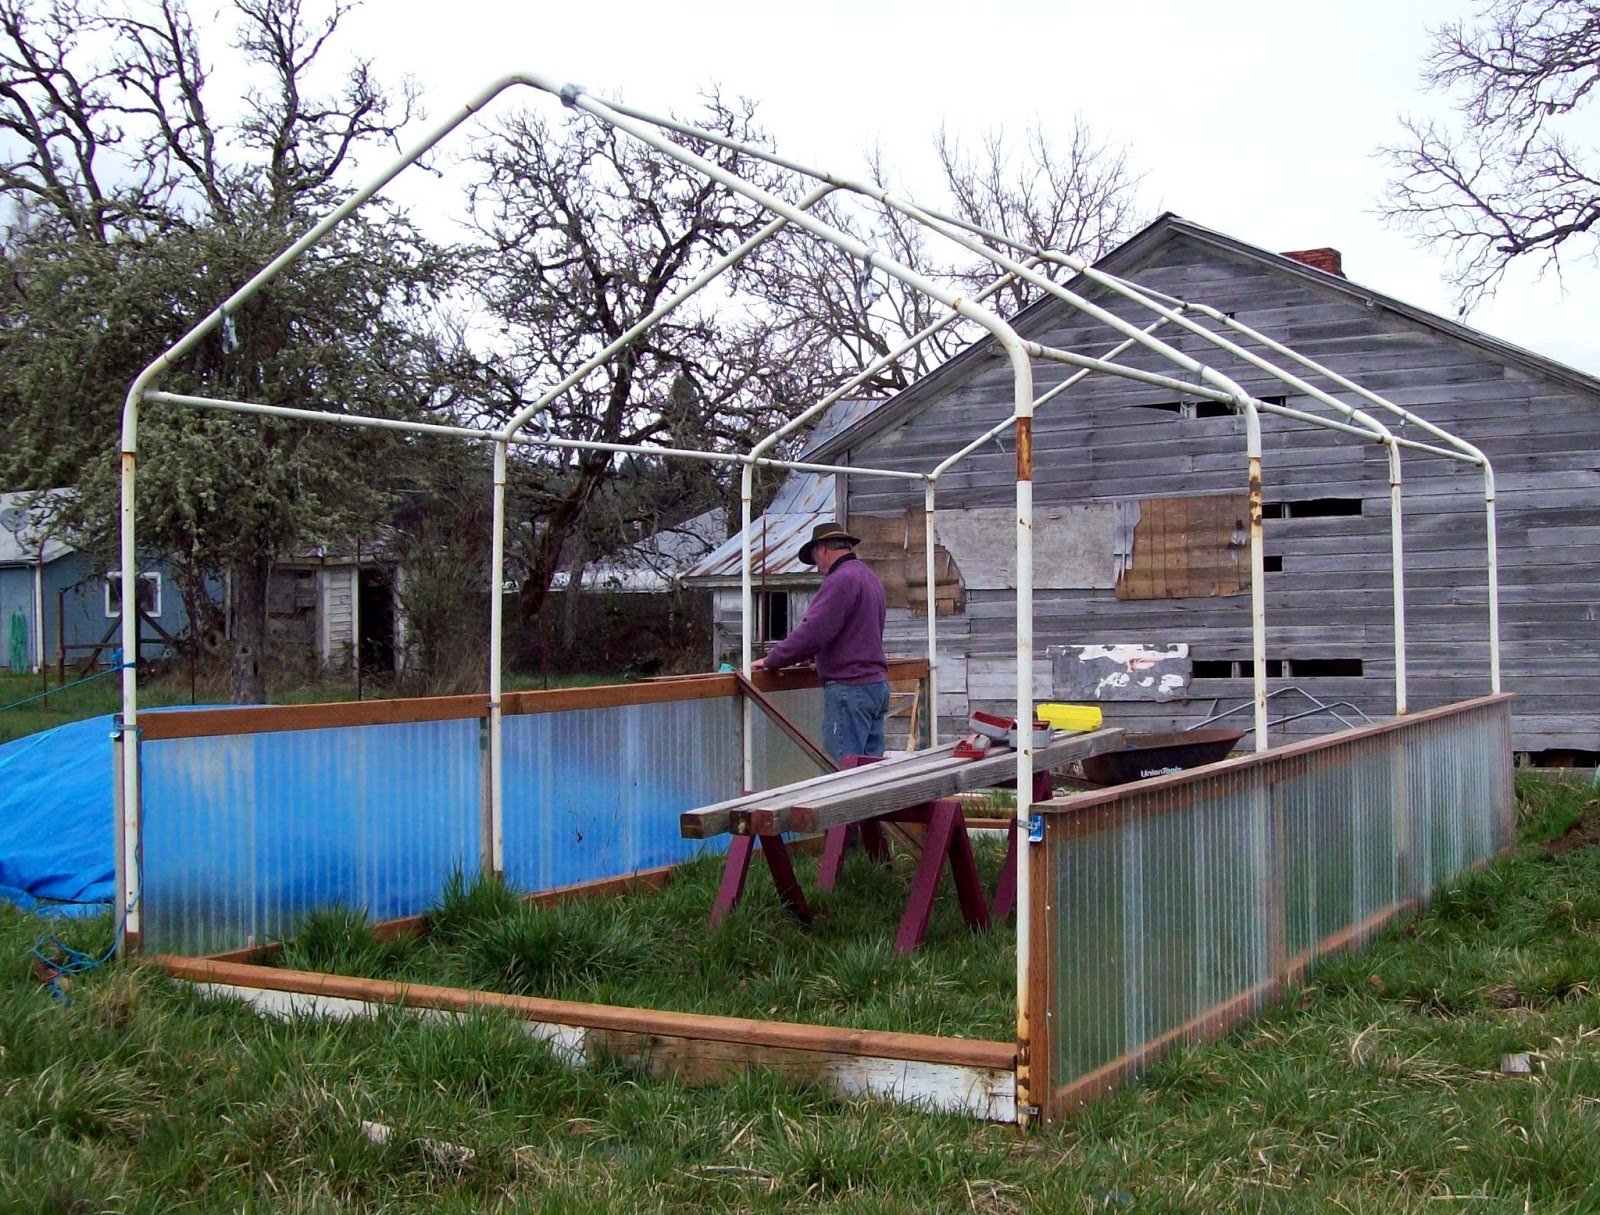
(1326, 260)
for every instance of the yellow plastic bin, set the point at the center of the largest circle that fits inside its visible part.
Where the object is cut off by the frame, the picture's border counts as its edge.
(1080, 718)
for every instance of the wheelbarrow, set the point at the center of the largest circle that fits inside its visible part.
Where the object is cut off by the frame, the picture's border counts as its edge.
(1146, 755)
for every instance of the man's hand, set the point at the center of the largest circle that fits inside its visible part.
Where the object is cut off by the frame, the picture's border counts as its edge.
(760, 664)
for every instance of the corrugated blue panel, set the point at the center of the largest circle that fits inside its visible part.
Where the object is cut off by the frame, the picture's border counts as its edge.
(245, 833)
(596, 793)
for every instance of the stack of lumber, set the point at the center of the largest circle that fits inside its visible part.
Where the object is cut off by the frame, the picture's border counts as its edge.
(837, 799)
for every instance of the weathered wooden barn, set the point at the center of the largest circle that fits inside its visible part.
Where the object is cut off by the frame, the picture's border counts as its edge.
(1142, 571)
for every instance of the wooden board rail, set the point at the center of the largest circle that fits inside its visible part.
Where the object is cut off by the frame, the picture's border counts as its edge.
(714, 820)
(861, 793)
(266, 719)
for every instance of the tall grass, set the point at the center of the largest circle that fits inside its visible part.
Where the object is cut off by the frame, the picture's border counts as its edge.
(1362, 1094)
(653, 949)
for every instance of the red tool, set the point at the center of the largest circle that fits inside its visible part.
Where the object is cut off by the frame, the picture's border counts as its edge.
(973, 746)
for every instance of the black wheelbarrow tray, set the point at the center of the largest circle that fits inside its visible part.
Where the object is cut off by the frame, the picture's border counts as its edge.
(1147, 755)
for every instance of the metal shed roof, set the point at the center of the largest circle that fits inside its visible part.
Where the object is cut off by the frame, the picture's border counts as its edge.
(24, 539)
(802, 501)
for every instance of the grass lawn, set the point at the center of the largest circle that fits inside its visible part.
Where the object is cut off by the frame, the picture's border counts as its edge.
(1376, 1088)
(652, 949)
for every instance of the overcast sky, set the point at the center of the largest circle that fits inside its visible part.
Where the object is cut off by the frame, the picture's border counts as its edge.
(1254, 117)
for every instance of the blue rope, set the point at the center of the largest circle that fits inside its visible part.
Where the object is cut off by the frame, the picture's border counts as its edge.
(113, 670)
(61, 961)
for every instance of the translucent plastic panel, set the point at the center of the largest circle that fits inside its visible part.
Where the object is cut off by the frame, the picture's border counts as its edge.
(596, 793)
(1170, 909)
(243, 834)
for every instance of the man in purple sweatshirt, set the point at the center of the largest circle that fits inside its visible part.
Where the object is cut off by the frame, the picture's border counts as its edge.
(843, 631)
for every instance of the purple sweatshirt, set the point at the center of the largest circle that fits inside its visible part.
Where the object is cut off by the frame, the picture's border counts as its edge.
(842, 630)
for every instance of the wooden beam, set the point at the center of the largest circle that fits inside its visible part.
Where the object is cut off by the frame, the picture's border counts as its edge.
(913, 788)
(713, 820)
(793, 732)
(974, 1092)
(697, 1026)
(264, 719)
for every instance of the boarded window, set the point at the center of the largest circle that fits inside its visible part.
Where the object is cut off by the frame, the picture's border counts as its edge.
(894, 546)
(1189, 547)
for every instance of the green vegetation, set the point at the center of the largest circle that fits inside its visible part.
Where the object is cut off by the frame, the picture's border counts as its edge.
(1376, 1089)
(652, 949)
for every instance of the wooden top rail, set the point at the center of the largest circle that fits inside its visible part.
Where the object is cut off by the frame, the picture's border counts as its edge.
(1074, 803)
(266, 719)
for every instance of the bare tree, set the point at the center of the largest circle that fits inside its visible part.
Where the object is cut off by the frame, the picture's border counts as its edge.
(1514, 177)
(1077, 194)
(1074, 194)
(583, 232)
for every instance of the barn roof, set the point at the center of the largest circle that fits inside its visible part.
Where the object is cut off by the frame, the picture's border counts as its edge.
(1125, 261)
(802, 501)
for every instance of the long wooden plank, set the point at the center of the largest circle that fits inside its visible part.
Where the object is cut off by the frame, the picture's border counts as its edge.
(699, 1026)
(712, 820)
(781, 719)
(942, 780)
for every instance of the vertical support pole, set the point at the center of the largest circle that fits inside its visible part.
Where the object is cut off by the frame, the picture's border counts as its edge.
(1026, 1098)
(1494, 580)
(61, 638)
(1397, 559)
(40, 662)
(746, 617)
(492, 828)
(121, 876)
(1258, 576)
(932, 712)
(128, 889)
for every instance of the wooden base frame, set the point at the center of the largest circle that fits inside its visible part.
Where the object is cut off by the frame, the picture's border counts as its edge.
(953, 1075)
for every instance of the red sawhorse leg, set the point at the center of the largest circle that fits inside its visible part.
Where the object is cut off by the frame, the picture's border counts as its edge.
(1005, 887)
(947, 836)
(737, 867)
(837, 840)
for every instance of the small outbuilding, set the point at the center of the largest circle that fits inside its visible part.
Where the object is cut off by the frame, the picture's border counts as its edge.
(56, 601)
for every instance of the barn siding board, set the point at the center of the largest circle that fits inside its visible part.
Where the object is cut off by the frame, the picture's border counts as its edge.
(1333, 596)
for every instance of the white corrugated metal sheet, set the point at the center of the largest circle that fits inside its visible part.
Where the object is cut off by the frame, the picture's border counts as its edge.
(24, 539)
(802, 501)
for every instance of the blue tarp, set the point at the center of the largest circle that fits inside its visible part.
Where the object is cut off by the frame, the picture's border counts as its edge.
(56, 818)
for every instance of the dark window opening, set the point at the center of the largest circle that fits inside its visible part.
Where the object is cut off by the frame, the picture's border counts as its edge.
(1324, 668)
(774, 608)
(1311, 508)
(1202, 409)
(1273, 565)
(1278, 668)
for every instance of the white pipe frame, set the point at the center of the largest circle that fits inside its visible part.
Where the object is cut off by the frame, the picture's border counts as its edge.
(1207, 384)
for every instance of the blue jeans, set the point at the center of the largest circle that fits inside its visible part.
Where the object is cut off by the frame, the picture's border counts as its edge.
(852, 718)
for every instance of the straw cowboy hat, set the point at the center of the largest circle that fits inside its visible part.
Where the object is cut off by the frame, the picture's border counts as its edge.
(824, 531)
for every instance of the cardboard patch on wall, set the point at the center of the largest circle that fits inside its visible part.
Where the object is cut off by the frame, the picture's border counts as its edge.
(1072, 546)
(1189, 547)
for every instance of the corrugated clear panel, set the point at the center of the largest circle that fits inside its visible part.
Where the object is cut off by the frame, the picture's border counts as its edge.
(777, 759)
(1299, 795)
(596, 793)
(244, 834)
(1170, 903)
(1089, 906)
